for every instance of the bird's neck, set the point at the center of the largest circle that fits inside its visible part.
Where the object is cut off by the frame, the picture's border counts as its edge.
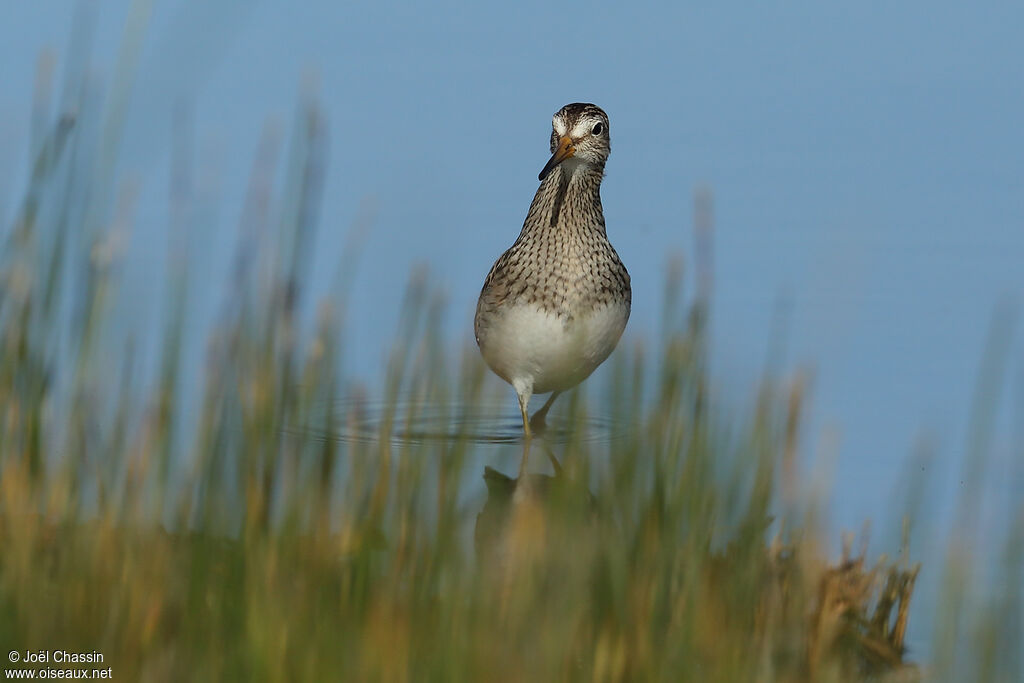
(570, 196)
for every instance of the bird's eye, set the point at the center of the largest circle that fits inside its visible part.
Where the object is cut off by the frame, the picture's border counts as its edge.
(598, 128)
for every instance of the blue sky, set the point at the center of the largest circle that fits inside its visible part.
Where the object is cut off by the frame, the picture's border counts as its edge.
(867, 163)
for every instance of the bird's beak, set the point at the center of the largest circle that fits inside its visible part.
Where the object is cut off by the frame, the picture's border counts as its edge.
(564, 151)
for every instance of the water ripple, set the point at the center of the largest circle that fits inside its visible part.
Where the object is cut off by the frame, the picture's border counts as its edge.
(412, 421)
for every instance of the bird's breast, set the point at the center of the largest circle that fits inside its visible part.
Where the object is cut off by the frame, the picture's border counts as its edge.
(551, 351)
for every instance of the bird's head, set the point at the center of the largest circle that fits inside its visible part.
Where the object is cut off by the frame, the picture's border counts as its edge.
(579, 136)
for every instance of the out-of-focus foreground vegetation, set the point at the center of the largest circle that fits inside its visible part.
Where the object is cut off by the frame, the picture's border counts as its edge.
(245, 543)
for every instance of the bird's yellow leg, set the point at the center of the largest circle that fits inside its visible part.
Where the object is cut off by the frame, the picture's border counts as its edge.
(539, 419)
(526, 419)
(524, 404)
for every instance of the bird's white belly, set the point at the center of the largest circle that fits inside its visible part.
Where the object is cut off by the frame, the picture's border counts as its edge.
(528, 346)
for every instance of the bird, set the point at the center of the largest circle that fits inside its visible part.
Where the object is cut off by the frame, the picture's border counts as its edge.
(555, 304)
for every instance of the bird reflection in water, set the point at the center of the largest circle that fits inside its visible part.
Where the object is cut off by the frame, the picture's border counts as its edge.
(512, 527)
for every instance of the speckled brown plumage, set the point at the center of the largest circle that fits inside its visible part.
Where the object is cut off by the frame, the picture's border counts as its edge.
(562, 261)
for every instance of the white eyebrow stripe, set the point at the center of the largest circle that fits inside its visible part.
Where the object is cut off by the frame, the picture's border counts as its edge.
(581, 128)
(558, 123)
